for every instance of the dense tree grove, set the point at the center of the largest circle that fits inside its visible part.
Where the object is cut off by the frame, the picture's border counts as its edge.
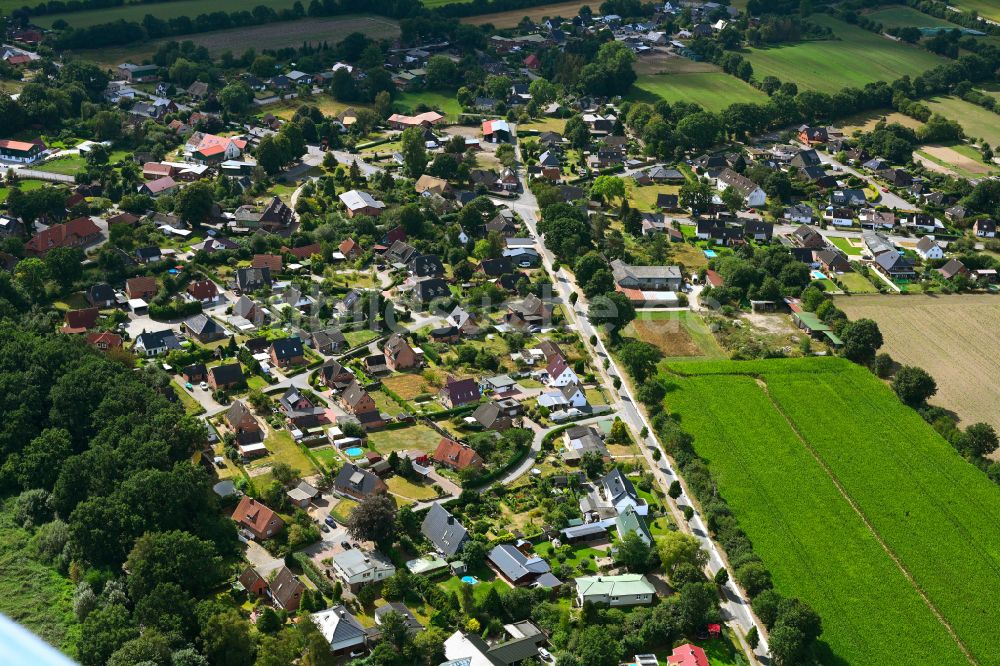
(99, 457)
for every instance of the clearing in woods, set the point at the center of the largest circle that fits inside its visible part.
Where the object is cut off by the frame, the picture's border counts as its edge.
(951, 337)
(854, 503)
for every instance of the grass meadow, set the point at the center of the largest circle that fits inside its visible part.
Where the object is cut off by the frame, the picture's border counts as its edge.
(855, 58)
(829, 473)
(900, 16)
(714, 91)
(975, 120)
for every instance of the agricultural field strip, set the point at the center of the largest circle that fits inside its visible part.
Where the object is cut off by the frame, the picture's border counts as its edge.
(821, 566)
(929, 333)
(948, 540)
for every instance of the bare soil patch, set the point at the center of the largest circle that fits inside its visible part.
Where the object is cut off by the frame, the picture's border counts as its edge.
(669, 335)
(953, 337)
(953, 157)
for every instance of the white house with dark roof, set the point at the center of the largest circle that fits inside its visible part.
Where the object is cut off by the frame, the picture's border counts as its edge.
(341, 629)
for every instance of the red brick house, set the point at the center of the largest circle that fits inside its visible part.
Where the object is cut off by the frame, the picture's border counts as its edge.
(456, 455)
(458, 392)
(141, 287)
(270, 261)
(399, 355)
(257, 519)
(75, 233)
(350, 249)
(79, 321)
(286, 352)
(203, 291)
(226, 376)
(105, 341)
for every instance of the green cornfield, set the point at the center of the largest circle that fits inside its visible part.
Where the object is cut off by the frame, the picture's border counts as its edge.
(780, 436)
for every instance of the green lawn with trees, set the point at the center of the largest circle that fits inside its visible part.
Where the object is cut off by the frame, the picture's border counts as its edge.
(823, 465)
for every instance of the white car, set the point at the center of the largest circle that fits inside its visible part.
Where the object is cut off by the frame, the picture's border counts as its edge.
(546, 656)
(204, 386)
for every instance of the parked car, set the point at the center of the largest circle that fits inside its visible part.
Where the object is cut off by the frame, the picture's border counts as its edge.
(330, 521)
(346, 545)
(204, 386)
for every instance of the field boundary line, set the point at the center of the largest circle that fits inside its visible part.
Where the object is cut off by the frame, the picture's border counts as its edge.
(871, 528)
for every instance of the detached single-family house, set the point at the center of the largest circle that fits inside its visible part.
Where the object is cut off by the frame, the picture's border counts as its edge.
(203, 328)
(985, 228)
(356, 567)
(286, 352)
(928, 248)
(399, 355)
(341, 629)
(560, 373)
(801, 213)
(257, 519)
(458, 392)
(352, 481)
(456, 455)
(155, 343)
(753, 194)
(361, 203)
(444, 530)
(227, 376)
(519, 569)
(615, 591)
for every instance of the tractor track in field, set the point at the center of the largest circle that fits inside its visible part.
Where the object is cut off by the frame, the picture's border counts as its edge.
(871, 528)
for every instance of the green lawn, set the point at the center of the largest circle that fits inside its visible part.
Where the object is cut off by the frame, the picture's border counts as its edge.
(409, 490)
(712, 90)
(579, 557)
(416, 437)
(341, 511)
(355, 338)
(856, 58)
(975, 120)
(857, 283)
(845, 245)
(68, 165)
(644, 197)
(282, 448)
(909, 483)
(386, 404)
(987, 8)
(445, 102)
(900, 16)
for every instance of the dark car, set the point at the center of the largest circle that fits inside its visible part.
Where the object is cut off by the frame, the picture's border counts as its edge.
(330, 521)
(345, 545)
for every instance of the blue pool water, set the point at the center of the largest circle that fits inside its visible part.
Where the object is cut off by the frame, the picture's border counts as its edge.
(710, 254)
(470, 580)
(817, 275)
(355, 452)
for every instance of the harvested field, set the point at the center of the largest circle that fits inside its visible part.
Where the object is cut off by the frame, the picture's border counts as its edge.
(867, 121)
(957, 159)
(951, 337)
(511, 18)
(268, 36)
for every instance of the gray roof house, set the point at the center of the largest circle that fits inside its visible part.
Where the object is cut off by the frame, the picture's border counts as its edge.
(341, 629)
(519, 569)
(443, 530)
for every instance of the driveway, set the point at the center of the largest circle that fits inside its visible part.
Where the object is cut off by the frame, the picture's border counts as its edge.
(261, 560)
